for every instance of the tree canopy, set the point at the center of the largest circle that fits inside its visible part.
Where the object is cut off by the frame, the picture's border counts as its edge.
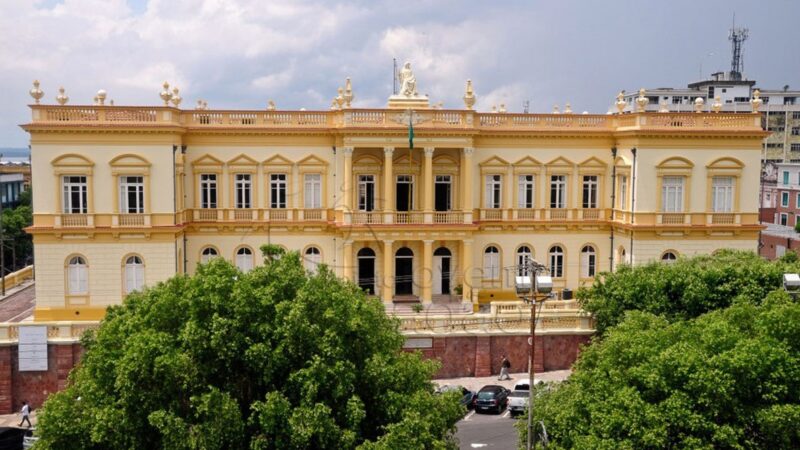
(272, 358)
(727, 379)
(685, 288)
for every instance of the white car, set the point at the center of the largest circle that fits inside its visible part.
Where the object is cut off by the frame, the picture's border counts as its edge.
(518, 401)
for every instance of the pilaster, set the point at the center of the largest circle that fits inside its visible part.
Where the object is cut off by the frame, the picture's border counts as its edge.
(427, 179)
(388, 272)
(427, 271)
(467, 183)
(388, 184)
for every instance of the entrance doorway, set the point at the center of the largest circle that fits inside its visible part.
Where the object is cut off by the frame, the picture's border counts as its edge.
(404, 271)
(404, 193)
(366, 270)
(442, 193)
(441, 271)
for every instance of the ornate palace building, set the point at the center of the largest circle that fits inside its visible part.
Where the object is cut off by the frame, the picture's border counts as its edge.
(125, 197)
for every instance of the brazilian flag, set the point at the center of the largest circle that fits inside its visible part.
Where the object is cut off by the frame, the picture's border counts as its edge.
(410, 129)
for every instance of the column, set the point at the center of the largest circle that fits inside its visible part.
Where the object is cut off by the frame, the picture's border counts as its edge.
(466, 270)
(388, 272)
(388, 185)
(347, 186)
(427, 271)
(347, 260)
(427, 182)
(467, 184)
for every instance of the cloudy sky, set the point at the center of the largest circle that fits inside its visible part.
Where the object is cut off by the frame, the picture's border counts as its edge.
(241, 53)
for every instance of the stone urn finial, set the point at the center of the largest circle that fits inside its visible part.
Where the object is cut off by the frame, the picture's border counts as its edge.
(698, 104)
(567, 108)
(348, 92)
(35, 92)
(502, 108)
(62, 98)
(641, 101)
(101, 97)
(620, 103)
(271, 105)
(756, 101)
(176, 97)
(717, 105)
(166, 95)
(469, 96)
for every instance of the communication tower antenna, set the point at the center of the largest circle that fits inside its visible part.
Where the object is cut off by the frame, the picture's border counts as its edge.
(737, 38)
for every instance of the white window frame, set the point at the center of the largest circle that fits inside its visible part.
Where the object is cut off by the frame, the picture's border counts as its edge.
(491, 263)
(623, 192)
(669, 257)
(366, 197)
(556, 257)
(590, 191)
(524, 255)
(558, 191)
(278, 194)
(75, 190)
(446, 180)
(312, 258)
(588, 262)
(131, 184)
(134, 274)
(672, 194)
(785, 199)
(77, 276)
(244, 259)
(243, 191)
(784, 219)
(207, 254)
(493, 191)
(526, 191)
(722, 194)
(209, 197)
(312, 191)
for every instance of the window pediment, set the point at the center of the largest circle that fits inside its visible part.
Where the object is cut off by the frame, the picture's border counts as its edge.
(129, 163)
(72, 163)
(207, 163)
(278, 162)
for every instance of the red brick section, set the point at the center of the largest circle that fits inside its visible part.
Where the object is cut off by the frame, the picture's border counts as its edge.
(6, 394)
(483, 357)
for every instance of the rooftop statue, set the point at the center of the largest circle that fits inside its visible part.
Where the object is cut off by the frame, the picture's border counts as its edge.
(408, 82)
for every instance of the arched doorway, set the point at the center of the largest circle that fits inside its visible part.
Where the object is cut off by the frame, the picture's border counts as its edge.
(366, 270)
(441, 271)
(403, 271)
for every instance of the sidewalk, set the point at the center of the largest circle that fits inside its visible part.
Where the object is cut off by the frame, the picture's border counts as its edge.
(12, 420)
(474, 384)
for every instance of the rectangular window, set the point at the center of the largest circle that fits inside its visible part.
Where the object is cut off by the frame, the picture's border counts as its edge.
(722, 194)
(795, 131)
(623, 192)
(277, 190)
(366, 192)
(672, 194)
(589, 191)
(442, 196)
(208, 190)
(784, 218)
(244, 190)
(494, 191)
(785, 178)
(798, 200)
(75, 194)
(312, 191)
(131, 195)
(525, 194)
(558, 191)
(785, 199)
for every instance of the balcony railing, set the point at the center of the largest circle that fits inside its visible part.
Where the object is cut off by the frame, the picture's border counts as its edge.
(401, 217)
(131, 220)
(366, 218)
(672, 218)
(75, 220)
(448, 217)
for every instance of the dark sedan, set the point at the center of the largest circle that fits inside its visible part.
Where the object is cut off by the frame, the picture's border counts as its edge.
(467, 396)
(492, 398)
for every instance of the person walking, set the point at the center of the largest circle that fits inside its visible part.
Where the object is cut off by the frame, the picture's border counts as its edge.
(26, 411)
(504, 366)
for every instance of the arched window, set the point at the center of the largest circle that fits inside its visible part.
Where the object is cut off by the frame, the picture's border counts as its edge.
(669, 257)
(588, 262)
(523, 257)
(207, 254)
(312, 259)
(244, 259)
(134, 274)
(491, 263)
(622, 256)
(556, 261)
(77, 276)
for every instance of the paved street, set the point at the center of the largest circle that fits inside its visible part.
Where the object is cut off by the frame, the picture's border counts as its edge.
(18, 303)
(489, 431)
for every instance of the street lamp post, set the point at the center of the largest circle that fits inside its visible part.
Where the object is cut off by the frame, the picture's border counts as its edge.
(532, 282)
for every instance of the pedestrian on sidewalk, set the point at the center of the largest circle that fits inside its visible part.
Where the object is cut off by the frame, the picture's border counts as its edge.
(26, 411)
(504, 366)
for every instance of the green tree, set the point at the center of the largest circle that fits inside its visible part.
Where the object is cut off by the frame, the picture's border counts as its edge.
(18, 244)
(727, 379)
(686, 288)
(273, 358)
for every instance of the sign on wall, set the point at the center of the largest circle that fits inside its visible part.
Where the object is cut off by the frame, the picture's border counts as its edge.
(32, 348)
(418, 343)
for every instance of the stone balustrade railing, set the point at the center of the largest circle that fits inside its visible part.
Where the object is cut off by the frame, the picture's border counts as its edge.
(386, 118)
(57, 332)
(18, 277)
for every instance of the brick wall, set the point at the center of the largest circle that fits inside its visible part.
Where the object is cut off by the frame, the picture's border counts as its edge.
(34, 387)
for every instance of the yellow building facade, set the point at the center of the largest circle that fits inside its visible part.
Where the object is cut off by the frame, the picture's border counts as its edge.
(125, 197)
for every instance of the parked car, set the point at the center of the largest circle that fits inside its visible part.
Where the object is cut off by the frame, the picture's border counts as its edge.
(467, 396)
(524, 384)
(492, 398)
(518, 401)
